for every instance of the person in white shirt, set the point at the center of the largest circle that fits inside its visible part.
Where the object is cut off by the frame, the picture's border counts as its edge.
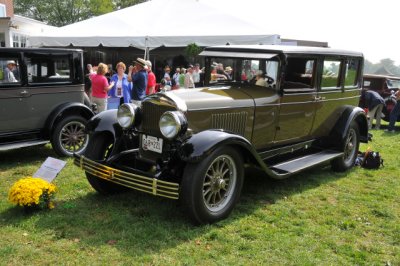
(196, 75)
(189, 84)
(260, 79)
(175, 77)
(9, 71)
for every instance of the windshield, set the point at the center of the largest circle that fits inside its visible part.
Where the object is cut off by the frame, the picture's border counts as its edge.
(261, 72)
(393, 84)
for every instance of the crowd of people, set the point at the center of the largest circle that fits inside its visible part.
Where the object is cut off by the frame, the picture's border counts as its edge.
(108, 89)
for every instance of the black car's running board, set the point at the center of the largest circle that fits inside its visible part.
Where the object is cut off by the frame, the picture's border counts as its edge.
(292, 166)
(22, 144)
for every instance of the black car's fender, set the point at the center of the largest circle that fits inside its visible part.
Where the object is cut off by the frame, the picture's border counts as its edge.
(62, 110)
(349, 115)
(105, 122)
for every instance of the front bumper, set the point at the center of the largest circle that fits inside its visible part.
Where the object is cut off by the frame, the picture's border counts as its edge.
(131, 180)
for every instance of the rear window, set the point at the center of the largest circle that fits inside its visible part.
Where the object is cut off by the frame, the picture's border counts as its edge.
(45, 69)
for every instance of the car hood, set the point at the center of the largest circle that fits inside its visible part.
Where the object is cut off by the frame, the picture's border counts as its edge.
(210, 98)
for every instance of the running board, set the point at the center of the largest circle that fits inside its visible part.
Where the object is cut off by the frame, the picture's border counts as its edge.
(22, 144)
(290, 167)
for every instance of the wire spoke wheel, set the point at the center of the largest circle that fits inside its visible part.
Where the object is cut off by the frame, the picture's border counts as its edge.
(350, 146)
(219, 183)
(72, 137)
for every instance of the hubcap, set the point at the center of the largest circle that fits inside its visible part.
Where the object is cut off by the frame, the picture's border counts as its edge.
(73, 137)
(219, 183)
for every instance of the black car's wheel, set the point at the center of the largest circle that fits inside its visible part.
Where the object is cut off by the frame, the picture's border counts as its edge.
(100, 147)
(211, 188)
(349, 147)
(69, 136)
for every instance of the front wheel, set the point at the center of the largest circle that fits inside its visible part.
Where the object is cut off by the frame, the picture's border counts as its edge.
(349, 147)
(100, 148)
(69, 136)
(211, 188)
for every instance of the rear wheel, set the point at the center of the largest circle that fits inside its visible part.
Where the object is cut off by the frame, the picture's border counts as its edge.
(100, 148)
(349, 147)
(211, 188)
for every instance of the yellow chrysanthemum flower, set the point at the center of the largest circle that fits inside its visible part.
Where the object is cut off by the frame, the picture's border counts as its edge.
(31, 191)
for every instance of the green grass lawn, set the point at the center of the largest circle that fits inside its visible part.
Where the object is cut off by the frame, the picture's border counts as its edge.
(315, 218)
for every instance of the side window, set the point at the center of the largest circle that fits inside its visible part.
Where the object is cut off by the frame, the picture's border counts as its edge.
(9, 71)
(249, 69)
(299, 74)
(43, 69)
(330, 75)
(350, 78)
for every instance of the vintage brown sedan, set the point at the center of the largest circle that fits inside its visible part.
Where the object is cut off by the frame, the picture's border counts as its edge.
(281, 109)
(386, 86)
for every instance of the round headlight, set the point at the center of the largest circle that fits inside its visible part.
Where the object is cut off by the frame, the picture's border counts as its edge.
(172, 123)
(126, 115)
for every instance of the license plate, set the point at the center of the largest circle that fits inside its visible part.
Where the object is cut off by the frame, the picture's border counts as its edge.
(150, 143)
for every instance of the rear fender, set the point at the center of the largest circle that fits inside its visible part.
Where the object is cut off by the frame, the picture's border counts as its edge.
(69, 108)
(351, 114)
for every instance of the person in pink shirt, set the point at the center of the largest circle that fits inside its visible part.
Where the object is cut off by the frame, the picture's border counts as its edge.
(151, 79)
(100, 87)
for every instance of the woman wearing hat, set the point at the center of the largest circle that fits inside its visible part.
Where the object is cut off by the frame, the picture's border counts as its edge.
(100, 87)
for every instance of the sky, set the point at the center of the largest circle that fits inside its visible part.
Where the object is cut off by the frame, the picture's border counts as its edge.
(371, 27)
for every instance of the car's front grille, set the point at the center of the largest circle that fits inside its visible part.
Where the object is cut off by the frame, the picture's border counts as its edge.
(151, 113)
(233, 122)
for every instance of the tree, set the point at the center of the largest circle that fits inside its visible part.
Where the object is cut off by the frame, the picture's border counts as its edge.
(61, 13)
(192, 50)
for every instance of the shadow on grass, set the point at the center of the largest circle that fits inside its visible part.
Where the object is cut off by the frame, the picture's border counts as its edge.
(139, 224)
(36, 154)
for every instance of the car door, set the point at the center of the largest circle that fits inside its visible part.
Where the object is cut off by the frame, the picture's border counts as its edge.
(339, 87)
(13, 96)
(50, 84)
(298, 99)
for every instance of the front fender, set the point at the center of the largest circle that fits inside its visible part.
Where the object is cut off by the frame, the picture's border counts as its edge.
(351, 114)
(105, 122)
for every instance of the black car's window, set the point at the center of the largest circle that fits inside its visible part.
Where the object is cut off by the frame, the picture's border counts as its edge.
(49, 69)
(393, 83)
(350, 78)
(260, 72)
(330, 75)
(299, 74)
(10, 73)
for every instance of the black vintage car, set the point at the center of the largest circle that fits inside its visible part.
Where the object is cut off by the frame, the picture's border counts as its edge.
(281, 109)
(42, 99)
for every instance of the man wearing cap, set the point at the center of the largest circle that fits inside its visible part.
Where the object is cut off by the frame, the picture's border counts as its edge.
(151, 79)
(138, 75)
(9, 71)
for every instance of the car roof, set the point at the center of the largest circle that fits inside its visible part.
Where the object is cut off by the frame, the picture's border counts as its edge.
(281, 49)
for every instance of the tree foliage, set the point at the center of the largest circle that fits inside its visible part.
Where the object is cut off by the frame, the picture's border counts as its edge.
(386, 64)
(61, 13)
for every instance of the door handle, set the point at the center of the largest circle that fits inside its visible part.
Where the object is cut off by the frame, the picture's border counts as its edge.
(319, 98)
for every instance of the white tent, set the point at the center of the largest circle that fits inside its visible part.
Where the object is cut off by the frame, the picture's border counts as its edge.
(170, 23)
